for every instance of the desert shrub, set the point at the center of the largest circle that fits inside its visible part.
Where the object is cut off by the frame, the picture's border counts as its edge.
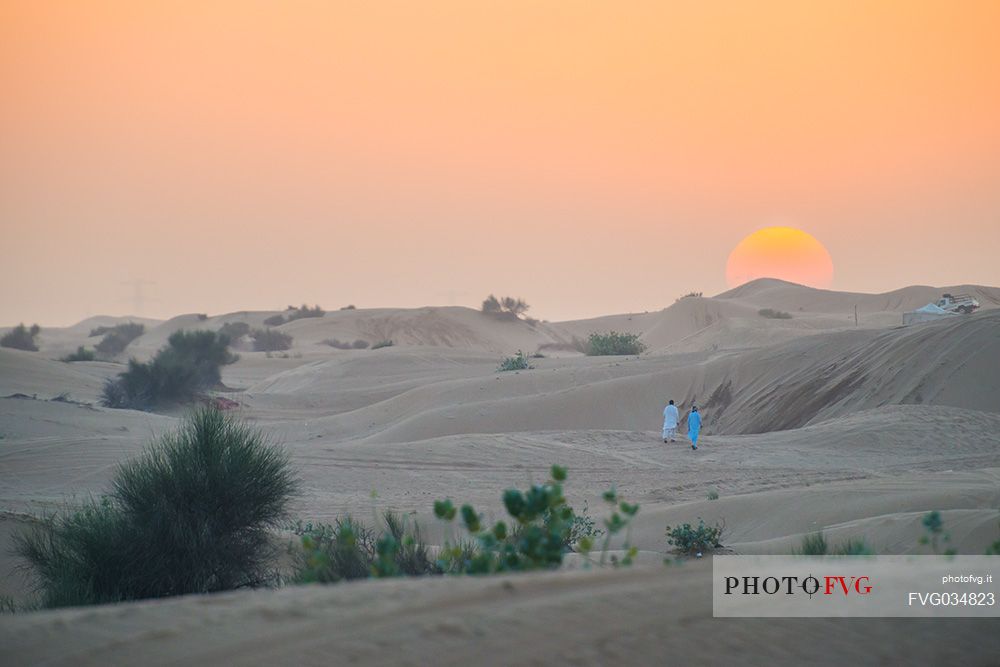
(234, 330)
(349, 306)
(506, 307)
(99, 331)
(934, 532)
(118, 337)
(81, 354)
(274, 321)
(689, 539)
(855, 546)
(292, 313)
(22, 338)
(192, 514)
(270, 340)
(814, 545)
(614, 343)
(338, 344)
(187, 365)
(382, 343)
(772, 314)
(713, 495)
(360, 344)
(689, 295)
(519, 362)
(538, 534)
(347, 549)
(202, 317)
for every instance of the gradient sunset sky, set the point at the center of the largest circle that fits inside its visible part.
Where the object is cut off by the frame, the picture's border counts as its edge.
(592, 158)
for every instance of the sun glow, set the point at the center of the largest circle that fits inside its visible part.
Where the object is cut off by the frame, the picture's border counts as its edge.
(780, 252)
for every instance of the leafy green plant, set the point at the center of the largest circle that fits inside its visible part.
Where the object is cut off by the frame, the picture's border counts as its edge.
(270, 340)
(713, 494)
(772, 314)
(187, 365)
(537, 536)
(614, 343)
(519, 362)
(192, 514)
(382, 343)
(22, 338)
(81, 354)
(689, 539)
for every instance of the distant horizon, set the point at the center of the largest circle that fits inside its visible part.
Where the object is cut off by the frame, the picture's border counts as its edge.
(531, 313)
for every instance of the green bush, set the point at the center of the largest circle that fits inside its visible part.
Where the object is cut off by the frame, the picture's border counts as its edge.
(234, 330)
(189, 364)
(855, 546)
(814, 545)
(539, 534)
(713, 495)
(347, 549)
(274, 321)
(270, 340)
(519, 362)
(22, 338)
(614, 343)
(81, 354)
(118, 337)
(774, 314)
(190, 515)
(690, 539)
(382, 343)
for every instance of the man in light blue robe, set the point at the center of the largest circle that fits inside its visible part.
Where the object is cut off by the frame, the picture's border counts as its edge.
(694, 426)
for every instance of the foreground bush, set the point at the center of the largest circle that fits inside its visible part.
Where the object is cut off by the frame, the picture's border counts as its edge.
(270, 340)
(190, 515)
(519, 362)
(188, 365)
(22, 338)
(349, 550)
(118, 337)
(81, 354)
(614, 343)
(539, 534)
(688, 539)
(772, 314)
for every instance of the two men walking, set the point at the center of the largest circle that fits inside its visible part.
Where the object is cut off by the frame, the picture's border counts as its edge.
(671, 418)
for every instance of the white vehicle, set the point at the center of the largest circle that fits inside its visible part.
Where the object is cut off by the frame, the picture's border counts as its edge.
(957, 303)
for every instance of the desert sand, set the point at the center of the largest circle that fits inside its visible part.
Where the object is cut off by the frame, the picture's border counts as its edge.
(811, 423)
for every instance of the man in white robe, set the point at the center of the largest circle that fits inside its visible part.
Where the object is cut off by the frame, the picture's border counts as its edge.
(670, 419)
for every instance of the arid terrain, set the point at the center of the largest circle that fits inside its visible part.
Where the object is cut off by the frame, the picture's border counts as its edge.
(814, 422)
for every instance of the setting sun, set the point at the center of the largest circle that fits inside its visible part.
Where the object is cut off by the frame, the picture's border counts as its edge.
(780, 252)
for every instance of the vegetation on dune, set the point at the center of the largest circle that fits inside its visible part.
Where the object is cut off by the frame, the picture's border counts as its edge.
(772, 314)
(813, 545)
(382, 343)
(270, 340)
(505, 307)
(519, 362)
(234, 330)
(118, 337)
(359, 344)
(22, 338)
(688, 539)
(190, 515)
(614, 343)
(689, 295)
(190, 363)
(81, 354)
(293, 313)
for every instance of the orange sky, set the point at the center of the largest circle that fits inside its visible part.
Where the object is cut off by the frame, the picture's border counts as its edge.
(589, 157)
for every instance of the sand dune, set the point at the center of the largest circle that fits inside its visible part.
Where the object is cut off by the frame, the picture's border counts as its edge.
(812, 424)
